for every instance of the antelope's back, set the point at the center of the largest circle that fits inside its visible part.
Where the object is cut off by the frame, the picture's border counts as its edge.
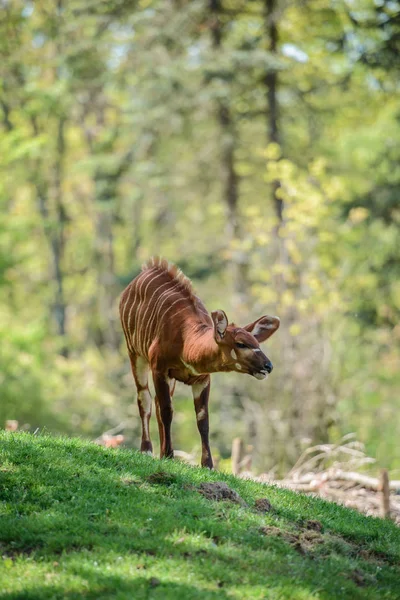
(152, 302)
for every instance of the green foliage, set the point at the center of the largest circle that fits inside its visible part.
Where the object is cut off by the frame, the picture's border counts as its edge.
(79, 520)
(116, 121)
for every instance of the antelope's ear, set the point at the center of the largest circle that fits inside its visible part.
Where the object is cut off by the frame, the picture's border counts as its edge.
(220, 321)
(263, 328)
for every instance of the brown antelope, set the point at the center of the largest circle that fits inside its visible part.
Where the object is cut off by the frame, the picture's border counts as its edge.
(168, 330)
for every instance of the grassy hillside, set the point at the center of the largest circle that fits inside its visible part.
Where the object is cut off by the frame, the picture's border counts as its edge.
(79, 521)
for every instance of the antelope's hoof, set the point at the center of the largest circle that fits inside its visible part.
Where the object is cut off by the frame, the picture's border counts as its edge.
(169, 454)
(146, 448)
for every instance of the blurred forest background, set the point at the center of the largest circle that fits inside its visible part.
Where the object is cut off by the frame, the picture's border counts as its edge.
(256, 144)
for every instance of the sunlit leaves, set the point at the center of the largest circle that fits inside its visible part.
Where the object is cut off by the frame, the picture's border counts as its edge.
(136, 84)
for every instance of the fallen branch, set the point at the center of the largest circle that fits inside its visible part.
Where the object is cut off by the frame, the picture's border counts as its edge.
(371, 483)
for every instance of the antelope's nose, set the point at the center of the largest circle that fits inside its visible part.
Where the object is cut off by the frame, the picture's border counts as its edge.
(268, 366)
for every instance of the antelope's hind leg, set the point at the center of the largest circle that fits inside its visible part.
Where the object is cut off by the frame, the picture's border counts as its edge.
(164, 412)
(140, 370)
(201, 393)
(171, 384)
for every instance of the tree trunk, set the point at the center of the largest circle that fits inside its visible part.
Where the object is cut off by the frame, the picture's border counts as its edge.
(106, 192)
(54, 231)
(289, 390)
(230, 177)
(58, 243)
(274, 137)
(271, 83)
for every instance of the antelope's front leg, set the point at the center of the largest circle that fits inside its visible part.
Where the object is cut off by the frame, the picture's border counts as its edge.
(201, 393)
(164, 414)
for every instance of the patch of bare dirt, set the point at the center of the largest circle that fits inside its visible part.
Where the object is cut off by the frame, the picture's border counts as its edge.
(161, 478)
(309, 539)
(292, 538)
(263, 505)
(314, 525)
(219, 490)
(304, 541)
(361, 579)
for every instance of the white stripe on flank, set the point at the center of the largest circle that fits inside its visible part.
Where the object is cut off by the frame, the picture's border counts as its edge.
(161, 323)
(161, 301)
(136, 333)
(179, 311)
(149, 305)
(163, 296)
(169, 308)
(126, 323)
(137, 297)
(153, 308)
(143, 298)
(176, 301)
(122, 313)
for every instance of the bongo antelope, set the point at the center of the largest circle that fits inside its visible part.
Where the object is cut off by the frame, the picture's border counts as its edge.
(169, 332)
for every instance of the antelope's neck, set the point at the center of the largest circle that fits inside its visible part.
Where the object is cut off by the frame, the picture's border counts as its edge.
(201, 350)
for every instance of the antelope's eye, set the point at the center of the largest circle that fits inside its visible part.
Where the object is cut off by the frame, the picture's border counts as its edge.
(240, 345)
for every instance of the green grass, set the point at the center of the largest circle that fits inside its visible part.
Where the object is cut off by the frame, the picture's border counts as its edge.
(79, 521)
